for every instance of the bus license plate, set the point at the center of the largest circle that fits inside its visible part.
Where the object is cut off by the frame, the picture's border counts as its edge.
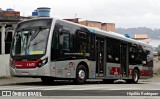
(25, 73)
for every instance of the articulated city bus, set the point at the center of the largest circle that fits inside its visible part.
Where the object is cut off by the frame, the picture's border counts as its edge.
(52, 49)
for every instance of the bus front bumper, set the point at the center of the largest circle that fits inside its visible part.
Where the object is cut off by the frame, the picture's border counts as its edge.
(32, 72)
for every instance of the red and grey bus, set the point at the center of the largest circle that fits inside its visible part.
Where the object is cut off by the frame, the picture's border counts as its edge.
(54, 49)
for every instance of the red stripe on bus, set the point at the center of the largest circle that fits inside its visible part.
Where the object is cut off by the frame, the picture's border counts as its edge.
(146, 73)
(115, 71)
(26, 64)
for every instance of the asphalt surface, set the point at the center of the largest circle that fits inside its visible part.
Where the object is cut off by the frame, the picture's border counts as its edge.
(93, 89)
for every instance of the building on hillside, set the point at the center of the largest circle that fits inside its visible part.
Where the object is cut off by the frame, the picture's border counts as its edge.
(110, 27)
(75, 20)
(91, 23)
(155, 43)
(142, 37)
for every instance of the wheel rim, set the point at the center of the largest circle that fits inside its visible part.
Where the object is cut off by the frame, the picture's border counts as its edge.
(135, 76)
(81, 74)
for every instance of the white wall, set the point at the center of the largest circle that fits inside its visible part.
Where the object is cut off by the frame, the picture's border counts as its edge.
(156, 65)
(4, 65)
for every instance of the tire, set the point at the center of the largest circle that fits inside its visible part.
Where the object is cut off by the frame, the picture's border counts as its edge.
(47, 80)
(81, 75)
(135, 76)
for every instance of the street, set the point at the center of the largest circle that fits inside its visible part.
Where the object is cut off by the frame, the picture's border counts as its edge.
(36, 84)
(91, 88)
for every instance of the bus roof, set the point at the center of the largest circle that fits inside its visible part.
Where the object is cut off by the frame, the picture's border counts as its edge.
(99, 31)
(109, 34)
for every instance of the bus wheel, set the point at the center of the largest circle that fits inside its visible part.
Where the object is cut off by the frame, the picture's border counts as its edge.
(47, 80)
(81, 75)
(135, 76)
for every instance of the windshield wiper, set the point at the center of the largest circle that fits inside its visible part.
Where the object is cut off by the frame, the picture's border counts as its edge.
(38, 42)
(35, 34)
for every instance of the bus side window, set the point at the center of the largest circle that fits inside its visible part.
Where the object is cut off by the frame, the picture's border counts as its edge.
(60, 42)
(81, 42)
(64, 38)
(113, 55)
(133, 54)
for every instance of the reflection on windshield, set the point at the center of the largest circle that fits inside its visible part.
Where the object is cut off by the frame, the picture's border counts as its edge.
(30, 41)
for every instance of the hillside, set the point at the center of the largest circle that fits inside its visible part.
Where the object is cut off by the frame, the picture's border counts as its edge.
(152, 33)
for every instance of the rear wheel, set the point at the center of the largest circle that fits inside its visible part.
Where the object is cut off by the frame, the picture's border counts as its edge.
(81, 75)
(135, 77)
(47, 80)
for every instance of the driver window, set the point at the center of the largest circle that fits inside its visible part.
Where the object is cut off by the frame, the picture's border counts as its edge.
(64, 39)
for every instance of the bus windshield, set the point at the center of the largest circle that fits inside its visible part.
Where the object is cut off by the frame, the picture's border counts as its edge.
(30, 41)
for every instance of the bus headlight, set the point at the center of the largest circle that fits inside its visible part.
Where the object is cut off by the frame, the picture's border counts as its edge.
(11, 63)
(43, 62)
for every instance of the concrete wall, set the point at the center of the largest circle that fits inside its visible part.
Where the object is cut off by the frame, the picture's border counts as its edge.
(103, 26)
(91, 24)
(4, 66)
(156, 63)
(94, 24)
(108, 27)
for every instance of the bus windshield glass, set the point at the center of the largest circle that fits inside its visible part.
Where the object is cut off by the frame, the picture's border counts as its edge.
(31, 38)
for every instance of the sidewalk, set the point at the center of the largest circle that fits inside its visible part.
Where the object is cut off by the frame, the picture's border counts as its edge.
(156, 78)
(14, 80)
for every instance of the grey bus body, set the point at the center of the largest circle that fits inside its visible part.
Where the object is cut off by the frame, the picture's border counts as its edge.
(72, 51)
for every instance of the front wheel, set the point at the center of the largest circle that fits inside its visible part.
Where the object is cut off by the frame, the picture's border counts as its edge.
(81, 75)
(135, 76)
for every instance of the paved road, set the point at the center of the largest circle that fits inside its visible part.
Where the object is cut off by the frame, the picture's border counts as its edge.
(96, 88)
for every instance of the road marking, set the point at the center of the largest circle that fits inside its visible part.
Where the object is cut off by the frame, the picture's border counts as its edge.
(84, 87)
(13, 87)
(68, 87)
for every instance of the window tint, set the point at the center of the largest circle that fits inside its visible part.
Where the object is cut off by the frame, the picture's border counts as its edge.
(64, 38)
(113, 50)
(133, 54)
(60, 42)
(91, 46)
(146, 56)
(81, 43)
(142, 55)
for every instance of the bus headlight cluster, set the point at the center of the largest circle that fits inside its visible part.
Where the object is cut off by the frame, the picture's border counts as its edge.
(43, 62)
(11, 63)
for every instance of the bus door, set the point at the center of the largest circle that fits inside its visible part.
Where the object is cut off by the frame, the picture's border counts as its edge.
(100, 59)
(124, 59)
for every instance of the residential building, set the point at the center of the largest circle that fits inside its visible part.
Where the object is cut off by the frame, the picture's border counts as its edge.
(110, 27)
(142, 37)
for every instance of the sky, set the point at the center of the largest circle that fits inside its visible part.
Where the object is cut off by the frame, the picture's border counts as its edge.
(124, 13)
